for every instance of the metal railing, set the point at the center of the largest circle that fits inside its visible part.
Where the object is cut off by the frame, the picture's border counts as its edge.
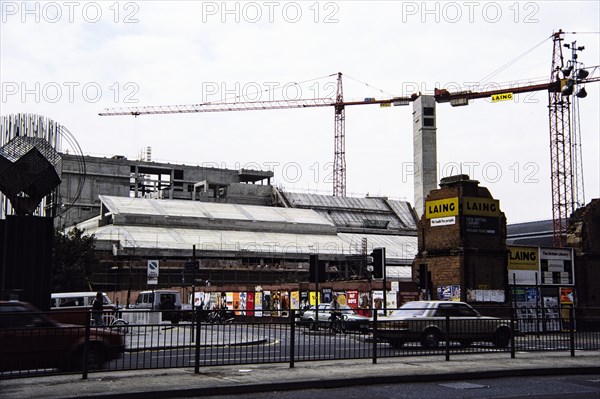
(153, 341)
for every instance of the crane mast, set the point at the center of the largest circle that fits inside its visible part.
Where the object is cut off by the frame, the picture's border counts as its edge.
(339, 160)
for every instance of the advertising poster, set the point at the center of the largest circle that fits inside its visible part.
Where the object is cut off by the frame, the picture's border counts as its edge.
(313, 298)
(266, 303)
(391, 303)
(567, 296)
(551, 317)
(378, 300)
(448, 292)
(295, 300)
(304, 300)
(275, 303)
(250, 304)
(285, 300)
(527, 309)
(364, 304)
(327, 293)
(215, 300)
(567, 307)
(229, 300)
(202, 300)
(352, 299)
(258, 298)
(236, 303)
(243, 302)
(341, 297)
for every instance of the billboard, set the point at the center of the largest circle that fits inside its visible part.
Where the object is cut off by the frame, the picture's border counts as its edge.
(556, 266)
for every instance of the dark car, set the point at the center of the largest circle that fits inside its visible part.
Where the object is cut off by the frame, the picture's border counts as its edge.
(31, 340)
(430, 322)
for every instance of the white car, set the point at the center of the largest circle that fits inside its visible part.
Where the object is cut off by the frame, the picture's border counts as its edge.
(430, 322)
(351, 321)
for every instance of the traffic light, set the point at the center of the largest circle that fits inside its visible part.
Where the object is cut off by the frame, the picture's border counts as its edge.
(422, 277)
(378, 263)
(316, 270)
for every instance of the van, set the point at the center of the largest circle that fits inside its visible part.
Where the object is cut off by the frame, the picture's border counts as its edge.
(73, 307)
(75, 300)
(167, 300)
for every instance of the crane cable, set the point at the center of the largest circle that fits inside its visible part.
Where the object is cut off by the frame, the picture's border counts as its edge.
(271, 90)
(509, 63)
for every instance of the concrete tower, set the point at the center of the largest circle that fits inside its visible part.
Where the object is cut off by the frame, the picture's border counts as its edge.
(424, 150)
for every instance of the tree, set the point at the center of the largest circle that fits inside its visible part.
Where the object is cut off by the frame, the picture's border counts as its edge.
(73, 260)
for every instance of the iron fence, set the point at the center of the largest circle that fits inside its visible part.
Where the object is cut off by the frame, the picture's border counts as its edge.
(151, 340)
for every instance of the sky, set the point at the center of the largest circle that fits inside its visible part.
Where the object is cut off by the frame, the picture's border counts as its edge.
(70, 60)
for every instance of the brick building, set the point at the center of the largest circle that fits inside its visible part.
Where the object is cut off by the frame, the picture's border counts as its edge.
(462, 244)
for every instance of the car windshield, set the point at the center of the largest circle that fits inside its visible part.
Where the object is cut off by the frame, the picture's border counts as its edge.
(411, 309)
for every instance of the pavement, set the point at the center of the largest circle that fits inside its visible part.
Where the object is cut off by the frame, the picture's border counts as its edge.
(221, 380)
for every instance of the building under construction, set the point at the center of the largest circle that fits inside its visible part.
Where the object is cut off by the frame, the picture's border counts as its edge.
(232, 226)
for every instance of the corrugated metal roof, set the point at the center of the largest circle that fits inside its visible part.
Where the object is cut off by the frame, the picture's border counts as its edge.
(197, 209)
(165, 237)
(353, 211)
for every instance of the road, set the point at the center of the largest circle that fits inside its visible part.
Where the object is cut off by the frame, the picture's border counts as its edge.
(552, 387)
(274, 345)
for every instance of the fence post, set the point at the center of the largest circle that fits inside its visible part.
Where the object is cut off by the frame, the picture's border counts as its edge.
(292, 337)
(447, 338)
(512, 333)
(572, 330)
(374, 336)
(86, 346)
(197, 343)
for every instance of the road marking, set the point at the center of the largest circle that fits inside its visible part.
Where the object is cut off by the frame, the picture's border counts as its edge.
(463, 385)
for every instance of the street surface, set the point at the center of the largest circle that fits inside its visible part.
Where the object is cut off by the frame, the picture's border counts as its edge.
(554, 387)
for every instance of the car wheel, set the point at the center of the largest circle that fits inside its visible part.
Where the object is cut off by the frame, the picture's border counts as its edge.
(312, 326)
(95, 359)
(397, 343)
(120, 326)
(430, 338)
(502, 337)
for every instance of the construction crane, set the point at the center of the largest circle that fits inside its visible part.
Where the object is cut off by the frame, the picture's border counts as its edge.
(566, 81)
(563, 82)
(339, 160)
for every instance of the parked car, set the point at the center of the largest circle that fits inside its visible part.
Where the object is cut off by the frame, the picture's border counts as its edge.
(30, 339)
(351, 321)
(425, 322)
(167, 300)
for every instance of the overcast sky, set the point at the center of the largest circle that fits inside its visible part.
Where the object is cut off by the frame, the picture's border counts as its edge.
(70, 60)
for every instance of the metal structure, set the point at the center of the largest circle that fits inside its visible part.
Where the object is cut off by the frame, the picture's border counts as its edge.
(559, 107)
(31, 165)
(565, 136)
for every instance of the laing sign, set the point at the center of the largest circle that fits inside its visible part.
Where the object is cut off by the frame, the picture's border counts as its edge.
(466, 206)
(441, 208)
